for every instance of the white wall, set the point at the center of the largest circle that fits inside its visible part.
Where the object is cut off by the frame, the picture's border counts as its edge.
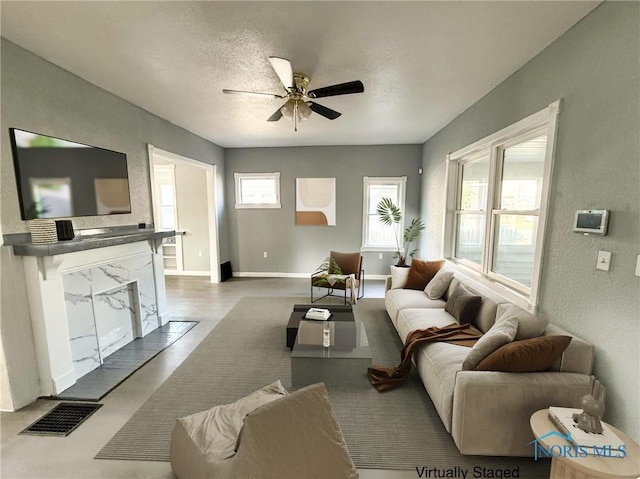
(595, 69)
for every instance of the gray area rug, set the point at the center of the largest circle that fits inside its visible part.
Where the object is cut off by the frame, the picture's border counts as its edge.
(395, 430)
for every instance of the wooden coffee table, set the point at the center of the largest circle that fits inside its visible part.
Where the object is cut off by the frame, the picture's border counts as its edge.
(590, 467)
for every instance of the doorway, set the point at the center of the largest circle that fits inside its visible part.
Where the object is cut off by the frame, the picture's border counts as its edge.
(183, 197)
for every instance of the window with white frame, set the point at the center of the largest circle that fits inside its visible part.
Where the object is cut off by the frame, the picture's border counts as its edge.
(166, 213)
(499, 193)
(375, 235)
(257, 190)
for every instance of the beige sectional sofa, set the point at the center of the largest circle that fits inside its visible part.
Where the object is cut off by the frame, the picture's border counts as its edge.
(486, 412)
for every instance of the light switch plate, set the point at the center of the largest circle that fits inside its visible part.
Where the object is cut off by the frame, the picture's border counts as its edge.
(638, 265)
(604, 260)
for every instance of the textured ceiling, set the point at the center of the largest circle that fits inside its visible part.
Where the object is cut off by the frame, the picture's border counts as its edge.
(422, 63)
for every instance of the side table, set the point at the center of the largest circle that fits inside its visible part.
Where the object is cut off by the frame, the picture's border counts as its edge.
(590, 467)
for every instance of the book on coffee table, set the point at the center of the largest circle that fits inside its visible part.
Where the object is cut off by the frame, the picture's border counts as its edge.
(318, 314)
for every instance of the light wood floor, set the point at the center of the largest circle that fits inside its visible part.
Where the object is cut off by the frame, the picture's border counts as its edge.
(23, 456)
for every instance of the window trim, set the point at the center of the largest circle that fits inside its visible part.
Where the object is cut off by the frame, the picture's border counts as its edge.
(238, 177)
(544, 121)
(401, 181)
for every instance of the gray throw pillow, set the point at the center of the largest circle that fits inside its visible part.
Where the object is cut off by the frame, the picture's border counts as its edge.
(500, 334)
(463, 305)
(439, 284)
(529, 325)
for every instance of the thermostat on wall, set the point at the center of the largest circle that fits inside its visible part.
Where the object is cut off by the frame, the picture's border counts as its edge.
(591, 222)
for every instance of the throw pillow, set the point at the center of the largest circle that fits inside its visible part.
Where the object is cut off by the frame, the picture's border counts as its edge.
(526, 356)
(399, 277)
(529, 326)
(500, 334)
(463, 305)
(439, 284)
(421, 272)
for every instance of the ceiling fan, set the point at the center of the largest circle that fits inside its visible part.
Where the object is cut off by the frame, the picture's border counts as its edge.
(299, 106)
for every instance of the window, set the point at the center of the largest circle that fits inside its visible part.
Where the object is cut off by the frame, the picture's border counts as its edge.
(164, 177)
(498, 207)
(257, 190)
(375, 235)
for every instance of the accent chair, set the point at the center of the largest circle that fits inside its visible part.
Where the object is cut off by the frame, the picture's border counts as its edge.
(344, 273)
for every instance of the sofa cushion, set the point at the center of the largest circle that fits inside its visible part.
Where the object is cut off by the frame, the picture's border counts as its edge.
(421, 272)
(529, 326)
(499, 335)
(399, 277)
(437, 365)
(439, 284)
(463, 305)
(420, 318)
(398, 299)
(526, 356)
(490, 301)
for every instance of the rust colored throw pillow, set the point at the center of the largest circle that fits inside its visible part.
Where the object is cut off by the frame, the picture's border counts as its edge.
(421, 272)
(526, 356)
(463, 305)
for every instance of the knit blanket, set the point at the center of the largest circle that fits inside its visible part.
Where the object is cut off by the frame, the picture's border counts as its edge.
(385, 379)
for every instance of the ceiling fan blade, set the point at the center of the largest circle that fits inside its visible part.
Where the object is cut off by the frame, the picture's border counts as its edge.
(283, 69)
(276, 115)
(252, 93)
(324, 111)
(340, 89)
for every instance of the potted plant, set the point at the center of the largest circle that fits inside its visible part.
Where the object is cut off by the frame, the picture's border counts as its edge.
(390, 215)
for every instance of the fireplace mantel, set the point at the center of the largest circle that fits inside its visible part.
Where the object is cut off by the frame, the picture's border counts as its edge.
(90, 296)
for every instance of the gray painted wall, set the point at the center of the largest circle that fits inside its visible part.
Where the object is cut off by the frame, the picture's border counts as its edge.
(594, 67)
(39, 96)
(300, 249)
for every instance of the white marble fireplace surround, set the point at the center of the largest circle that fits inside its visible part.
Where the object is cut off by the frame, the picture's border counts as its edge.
(90, 301)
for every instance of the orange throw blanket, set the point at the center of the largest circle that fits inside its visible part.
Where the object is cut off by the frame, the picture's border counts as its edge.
(385, 379)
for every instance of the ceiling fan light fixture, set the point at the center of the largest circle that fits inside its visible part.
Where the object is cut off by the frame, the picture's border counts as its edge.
(288, 109)
(304, 112)
(298, 106)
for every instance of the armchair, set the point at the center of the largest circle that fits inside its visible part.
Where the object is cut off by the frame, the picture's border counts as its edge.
(344, 272)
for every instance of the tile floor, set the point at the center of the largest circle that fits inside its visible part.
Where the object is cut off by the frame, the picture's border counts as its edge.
(34, 457)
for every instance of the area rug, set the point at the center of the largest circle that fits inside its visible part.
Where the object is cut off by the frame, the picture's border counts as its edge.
(395, 430)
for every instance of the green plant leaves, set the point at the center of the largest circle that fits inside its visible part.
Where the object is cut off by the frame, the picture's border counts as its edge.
(388, 212)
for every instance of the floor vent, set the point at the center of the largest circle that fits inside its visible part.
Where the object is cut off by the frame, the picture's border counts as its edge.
(62, 419)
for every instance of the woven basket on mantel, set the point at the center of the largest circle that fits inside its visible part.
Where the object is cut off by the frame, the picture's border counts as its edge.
(43, 231)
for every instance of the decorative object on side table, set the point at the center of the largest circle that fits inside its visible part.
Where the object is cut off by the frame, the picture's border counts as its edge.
(592, 409)
(390, 215)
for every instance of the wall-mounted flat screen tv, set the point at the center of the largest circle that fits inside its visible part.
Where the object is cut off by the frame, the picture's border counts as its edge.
(60, 178)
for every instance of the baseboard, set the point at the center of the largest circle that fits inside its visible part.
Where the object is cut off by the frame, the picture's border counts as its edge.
(186, 273)
(264, 274)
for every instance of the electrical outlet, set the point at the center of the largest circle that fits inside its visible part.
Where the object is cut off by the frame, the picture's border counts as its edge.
(381, 256)
(604, 260)
(200, 253)
(265, 254)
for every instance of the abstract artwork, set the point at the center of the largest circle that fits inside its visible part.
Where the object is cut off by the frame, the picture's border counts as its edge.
(316, 201)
